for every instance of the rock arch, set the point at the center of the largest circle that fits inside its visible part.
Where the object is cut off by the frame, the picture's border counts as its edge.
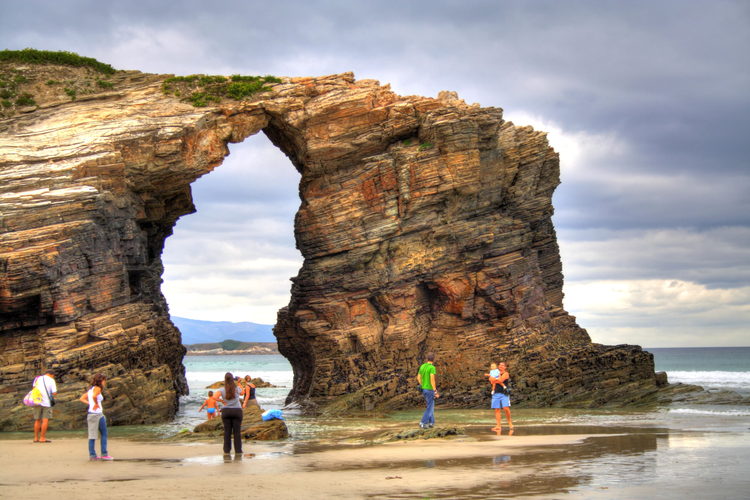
(425, 225)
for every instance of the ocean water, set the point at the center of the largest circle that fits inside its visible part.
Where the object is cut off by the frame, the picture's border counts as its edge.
(710, 367)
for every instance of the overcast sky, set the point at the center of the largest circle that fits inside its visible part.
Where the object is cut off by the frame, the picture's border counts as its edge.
(648, 103)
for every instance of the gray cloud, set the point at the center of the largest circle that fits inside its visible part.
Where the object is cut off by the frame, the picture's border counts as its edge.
(232, 260)
(659, 313)
(259, 173)
(715, 258)
(629, 201)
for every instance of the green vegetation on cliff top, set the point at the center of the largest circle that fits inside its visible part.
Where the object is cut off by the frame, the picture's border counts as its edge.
(201, 90)
(16, 82)
(34, 56)
(25, 81)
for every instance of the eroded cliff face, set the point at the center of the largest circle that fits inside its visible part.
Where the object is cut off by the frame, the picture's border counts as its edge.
(425, 225)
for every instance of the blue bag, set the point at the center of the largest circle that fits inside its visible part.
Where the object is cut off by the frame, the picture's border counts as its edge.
(271, 414)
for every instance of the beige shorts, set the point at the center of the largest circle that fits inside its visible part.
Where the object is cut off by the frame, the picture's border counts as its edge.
(42, 412)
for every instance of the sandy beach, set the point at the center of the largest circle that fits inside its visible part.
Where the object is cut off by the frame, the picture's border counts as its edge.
(668, 452)
(537, 461)
(189, 471)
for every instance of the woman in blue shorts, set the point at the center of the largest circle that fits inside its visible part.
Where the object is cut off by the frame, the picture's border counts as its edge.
(501, 397)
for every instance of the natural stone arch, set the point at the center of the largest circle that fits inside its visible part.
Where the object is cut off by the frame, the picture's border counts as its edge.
(425, 225)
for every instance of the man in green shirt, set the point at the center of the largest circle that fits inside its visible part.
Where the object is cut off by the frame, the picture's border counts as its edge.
(426, 380)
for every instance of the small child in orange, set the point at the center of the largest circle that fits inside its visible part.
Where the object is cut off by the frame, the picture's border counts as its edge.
(210, 405)
(494, 376)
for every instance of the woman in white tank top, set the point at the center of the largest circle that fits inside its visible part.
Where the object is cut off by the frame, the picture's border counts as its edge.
(97, 422)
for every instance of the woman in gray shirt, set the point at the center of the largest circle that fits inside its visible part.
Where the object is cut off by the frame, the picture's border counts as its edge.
(231, 414)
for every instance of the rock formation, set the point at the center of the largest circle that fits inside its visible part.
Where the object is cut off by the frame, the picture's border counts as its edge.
(257, 382)
(254, 428)
(425, 225)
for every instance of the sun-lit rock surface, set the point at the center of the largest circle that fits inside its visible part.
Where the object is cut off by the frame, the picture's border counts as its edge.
(425, 225)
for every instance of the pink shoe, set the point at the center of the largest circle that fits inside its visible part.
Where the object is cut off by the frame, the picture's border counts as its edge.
(93, 459)
(106, 457)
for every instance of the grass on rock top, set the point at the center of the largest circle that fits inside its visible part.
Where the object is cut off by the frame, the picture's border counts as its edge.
(25, 81)
(64, 58)
(202, 90)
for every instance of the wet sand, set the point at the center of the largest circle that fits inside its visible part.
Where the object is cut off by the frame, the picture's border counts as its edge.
(538, 461)
(187, 471)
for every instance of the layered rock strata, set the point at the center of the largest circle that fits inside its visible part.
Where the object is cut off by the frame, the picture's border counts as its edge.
(425, 225)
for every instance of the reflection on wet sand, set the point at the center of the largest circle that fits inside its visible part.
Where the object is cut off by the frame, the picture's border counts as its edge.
(611, 456)
(499, 432)
(605, 460)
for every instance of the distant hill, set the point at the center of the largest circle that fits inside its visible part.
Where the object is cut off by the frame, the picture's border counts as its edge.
(233, 347)
(196, 331)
